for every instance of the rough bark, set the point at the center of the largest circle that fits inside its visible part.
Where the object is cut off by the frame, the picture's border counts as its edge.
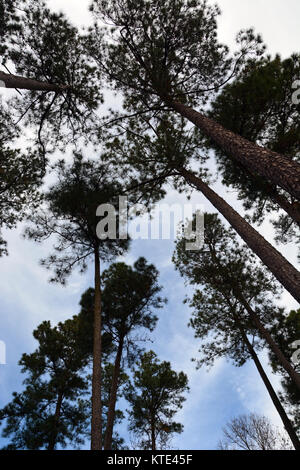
(286, 274)
(96, 425)
(53, 437)
(113, 397)
(276, 168)
(15, 81)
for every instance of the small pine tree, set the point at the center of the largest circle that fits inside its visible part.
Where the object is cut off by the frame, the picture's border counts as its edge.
(155, 396)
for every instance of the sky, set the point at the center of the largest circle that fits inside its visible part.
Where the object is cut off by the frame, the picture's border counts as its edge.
(27, 298)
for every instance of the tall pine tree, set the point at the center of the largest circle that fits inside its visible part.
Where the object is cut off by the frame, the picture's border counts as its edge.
(70, 217)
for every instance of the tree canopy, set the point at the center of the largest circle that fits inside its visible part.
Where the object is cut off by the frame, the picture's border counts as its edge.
(155, 395)
(53, 409)
(258, 105)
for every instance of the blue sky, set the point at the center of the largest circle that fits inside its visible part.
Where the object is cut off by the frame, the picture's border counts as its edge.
(27, 298)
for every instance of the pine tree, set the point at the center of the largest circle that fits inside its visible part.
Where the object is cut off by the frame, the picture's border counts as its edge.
(125, 315)
(286, 332)
(117, 442)
(282, 269)
(155, 396)
(249, 285)
(230, 282)
(52, 410)
(176, 148)
(9, 21)
(48, 56)
(84, 320)
(165, 55)
(71, 218)
(20, 177)
(258, 106)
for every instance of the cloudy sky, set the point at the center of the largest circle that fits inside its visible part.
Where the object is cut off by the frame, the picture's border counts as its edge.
(27, 298)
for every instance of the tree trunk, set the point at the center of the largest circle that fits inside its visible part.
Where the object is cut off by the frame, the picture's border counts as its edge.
(266, 335)
(14, 81)
(276, 168)
(286, 274)
(96, 427)
(113, 398)
(52, 440)
(238, 294)
(153, 440)
(291, 209)
(284, 418)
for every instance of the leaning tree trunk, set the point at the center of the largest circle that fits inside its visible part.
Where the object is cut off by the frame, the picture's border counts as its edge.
(238, 294)
(113, 398)
(284, 418)
(266, 335)
(53, 437)
(293, 210)
(14, 81)
(276, 168)
(96, 426)
(286, 274)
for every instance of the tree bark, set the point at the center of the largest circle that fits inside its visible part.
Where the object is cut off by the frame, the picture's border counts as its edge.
(113, 398)
(284, 418)
(291, 209)
(15, 81)
(286, 274)
(52, 440)
(276, 168)
(96, 425)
